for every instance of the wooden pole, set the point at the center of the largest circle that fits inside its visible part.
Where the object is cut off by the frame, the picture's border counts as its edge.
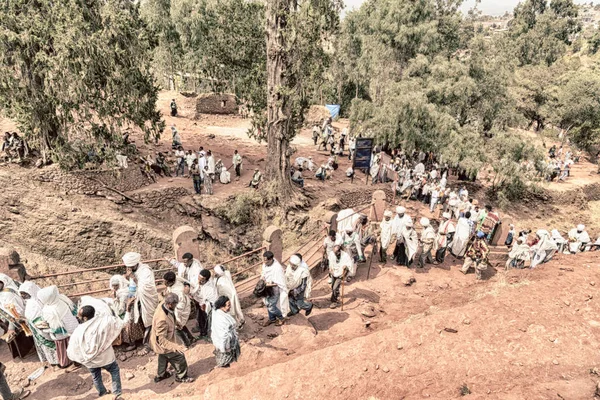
(342, 297)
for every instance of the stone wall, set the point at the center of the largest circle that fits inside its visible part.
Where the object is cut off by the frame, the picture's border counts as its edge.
(212, 103)
(79, 182)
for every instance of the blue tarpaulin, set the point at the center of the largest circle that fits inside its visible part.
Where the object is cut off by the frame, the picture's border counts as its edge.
(334, 110)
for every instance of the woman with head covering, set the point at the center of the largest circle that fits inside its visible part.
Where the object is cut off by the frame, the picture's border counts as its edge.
(58, 320)
(226, 287)
(544, 249)
(132, 331)
(44, 345)
(223, 333)
(11, 308)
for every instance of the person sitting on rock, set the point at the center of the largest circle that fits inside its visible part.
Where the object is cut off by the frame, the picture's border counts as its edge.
(161, 162)
(256, 178)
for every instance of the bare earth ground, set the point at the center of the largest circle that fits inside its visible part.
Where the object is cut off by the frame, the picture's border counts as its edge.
(520, 334)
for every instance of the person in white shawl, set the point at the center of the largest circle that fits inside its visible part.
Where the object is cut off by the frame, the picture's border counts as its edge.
(519, 254)
(120, 293)
(44, 345)
(544, 249)
(210, 162)
(226, 287)
(299, 284)
(224, 175)
(428, 241)
(461, 237)
(410, 243)
(560, 241)
(444, 237)
(578, 239)
(189, 269)
(386, 235)
(223, 334)
(9, 296)
(91, 344)
(399, 223)
(58, 320)
(207, 295)
(146, 299)
(339, 265)
(277, 303)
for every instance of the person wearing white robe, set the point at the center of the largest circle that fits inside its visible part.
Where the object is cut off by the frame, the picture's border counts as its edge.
(444, 237)
(207, 295)
(560, 241)
(224, 335)
(189, 269)
(299, 284)
(427, 240)
(519, 254)
(58, 320)
(578, 239)
(351, 244)
(201, 160)
(419, 169)
(544, 249)
(224, 176)
(120, 293)
(274, 276)
(386, 235)
(210, 162)
(333, 239)
(44, 345)
(226, 287)
(461, 237)
(347, 219)
(91, 346)
(410, 242)
(146, 299)
(339, 265)
(398, 224)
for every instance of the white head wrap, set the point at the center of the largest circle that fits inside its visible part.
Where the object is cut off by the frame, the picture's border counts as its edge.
(446, 215)
(424, 221)
(388, 213)
(295, 260)
(400, 210)
(522, 239)
(408, 224)
(132, 259)
(219, 270)
(580, 227)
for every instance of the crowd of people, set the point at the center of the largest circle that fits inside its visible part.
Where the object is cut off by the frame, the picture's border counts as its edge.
(66, 333)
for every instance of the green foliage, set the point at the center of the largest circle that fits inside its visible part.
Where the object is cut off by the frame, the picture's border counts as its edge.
(541, 32)
(73, 70)
(243, 209)
(577, 109)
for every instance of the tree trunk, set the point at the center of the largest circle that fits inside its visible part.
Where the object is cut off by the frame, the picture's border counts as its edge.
(279, 113)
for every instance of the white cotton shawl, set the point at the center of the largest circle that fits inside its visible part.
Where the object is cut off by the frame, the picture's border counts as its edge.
(8, 282)
(183, 309)
(10, 295)
(146, 295)
(411, 242)
(387, 232)
(57, 310)
(33, 306)
(101, 308)
(222, 330)
(274, 273)
(226, 287)
(93, 337)
(461, 237)
(208, 294)
(294, 278)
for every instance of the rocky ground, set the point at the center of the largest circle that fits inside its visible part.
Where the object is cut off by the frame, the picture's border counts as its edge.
(519, 334)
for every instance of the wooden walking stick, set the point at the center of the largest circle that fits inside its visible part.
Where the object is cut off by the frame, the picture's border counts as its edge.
(342, 297)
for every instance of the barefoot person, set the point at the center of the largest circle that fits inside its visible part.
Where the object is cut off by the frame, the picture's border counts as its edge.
(164, 342)
(299, 283)
(223, 334)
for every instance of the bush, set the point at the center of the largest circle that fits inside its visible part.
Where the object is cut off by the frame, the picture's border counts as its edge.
(242, 209)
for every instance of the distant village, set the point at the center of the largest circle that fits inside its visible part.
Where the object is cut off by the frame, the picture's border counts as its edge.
(589, 15)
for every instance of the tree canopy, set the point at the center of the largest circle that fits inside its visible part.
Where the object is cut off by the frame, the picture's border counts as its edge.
(74, 70)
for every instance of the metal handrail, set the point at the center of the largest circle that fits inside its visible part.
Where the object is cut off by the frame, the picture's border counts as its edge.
(91, 269)
(246, 269)
(241, 256)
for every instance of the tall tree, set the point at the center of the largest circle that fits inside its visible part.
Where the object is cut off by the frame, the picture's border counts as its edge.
(73, 70)
(297, 32)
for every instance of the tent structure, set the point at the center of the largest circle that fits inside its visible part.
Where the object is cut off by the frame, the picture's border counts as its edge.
(334, 110)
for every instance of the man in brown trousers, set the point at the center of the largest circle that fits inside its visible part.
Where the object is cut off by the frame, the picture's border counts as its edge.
(164, 342)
